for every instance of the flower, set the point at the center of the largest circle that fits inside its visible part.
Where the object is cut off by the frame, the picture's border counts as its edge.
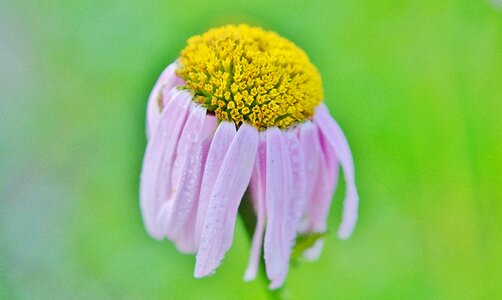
(242, 109)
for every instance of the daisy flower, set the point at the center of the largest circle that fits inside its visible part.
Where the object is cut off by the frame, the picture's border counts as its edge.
(241, 110)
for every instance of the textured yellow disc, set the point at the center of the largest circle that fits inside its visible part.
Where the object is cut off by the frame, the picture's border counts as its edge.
(247, 74)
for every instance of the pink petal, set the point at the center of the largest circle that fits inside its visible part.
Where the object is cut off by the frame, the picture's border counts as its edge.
(314, 252)
(298, 169)
(257, 189)
(336, 139)
(178, 214)
(321, 179)
(230, 185)
(279, 191)
(166, 81)
(321, 183)
(210, 125)
(222, 139)
(314, 169)
(158, 159)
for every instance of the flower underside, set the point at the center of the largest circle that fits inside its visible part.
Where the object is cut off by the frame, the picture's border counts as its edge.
(246, 74)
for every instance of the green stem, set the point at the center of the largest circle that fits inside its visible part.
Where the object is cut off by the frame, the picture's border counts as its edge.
(248, 217)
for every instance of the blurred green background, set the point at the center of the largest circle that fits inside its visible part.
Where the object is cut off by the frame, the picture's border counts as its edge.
(416, 85)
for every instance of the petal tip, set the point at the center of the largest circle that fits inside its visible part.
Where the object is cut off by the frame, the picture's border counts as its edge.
(277, 282)
(201, 272)
(154, 234)
(314, 253)
(344, 233)
(250, 275)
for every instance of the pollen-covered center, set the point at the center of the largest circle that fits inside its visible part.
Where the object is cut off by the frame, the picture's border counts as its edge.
(246, 74)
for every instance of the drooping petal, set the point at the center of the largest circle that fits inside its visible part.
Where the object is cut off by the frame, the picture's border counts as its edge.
(299, 188)
(336, 139)
(313, 253)
(178, 214)
(315, 170)
(159, 156)
(166, 81)
(258, 189)
(222, 139)
(322, 170)
(230, 185)
(320, 180)
(279, 183)
(210, 125)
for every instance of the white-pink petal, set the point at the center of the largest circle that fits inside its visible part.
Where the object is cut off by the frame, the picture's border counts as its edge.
(257, 190)
(299, 177)
(230, 186)
(334, 136)
(313, 253)
(279, 181)
(167, 81)
(221, 141)
(158, 159)
(320, 185)
(178, 214)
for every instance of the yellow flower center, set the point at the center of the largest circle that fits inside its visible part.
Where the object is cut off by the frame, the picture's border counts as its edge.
(247, 74)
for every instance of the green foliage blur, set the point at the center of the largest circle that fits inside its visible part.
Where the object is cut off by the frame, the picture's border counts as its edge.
(416, 85)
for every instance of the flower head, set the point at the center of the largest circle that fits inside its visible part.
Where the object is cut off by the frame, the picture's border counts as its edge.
(241, 110)
(246, 74)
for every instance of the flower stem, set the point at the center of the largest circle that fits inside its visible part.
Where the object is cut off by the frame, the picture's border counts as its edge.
(249, 219)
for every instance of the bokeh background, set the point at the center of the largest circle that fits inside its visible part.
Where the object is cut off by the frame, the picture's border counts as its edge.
(416, 85)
